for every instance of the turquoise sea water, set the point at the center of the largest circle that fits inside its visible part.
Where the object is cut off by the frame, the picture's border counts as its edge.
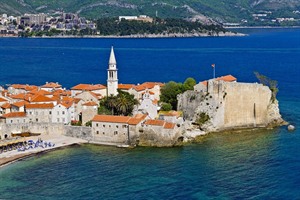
(261, 164)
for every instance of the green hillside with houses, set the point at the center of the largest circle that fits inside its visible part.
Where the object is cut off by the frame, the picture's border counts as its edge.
(224, 11)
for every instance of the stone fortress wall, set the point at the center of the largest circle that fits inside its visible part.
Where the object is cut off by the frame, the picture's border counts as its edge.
(230, 105)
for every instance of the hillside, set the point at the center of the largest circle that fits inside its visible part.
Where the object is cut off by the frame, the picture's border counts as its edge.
(219, 10)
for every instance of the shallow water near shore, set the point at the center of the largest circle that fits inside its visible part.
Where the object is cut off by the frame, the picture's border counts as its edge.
(260, 164)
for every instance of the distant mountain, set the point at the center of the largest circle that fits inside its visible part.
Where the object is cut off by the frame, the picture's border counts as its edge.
(219, 10)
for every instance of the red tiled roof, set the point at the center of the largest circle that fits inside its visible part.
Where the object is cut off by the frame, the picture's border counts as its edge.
(2, 100)
(14, 114)
(19, 104)
(169, 125)
(51, 85)
(125, 86)
(140, 88)
(90, 104)
(88, 87)
(40, 106)
(39, 92)
(150, 85)
(155, 122)
(40, 98)
(24, 87)
(227, 78)
(137, 119)
(152, 93)
(111, 118)
(172, 113)
(6, 106)
(67, 104)
(204, 83)
(155, 101)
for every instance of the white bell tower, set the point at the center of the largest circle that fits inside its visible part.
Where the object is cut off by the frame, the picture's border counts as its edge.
(112, 75)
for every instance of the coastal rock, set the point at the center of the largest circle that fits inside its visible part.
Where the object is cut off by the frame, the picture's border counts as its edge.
(291, 127)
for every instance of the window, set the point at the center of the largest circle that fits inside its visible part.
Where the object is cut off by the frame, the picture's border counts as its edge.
(63, 112)
(11, 121)
(97, 124)
(117, 126)
(124, 126)
(63, 119)
(103, 133)
(50, 112)
(116, 133)
(103, 125)
(57, 112)
(97, 132)
(57, 119)
(36, 119)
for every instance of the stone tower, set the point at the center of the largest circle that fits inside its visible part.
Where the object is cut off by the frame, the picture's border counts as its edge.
(112, 75)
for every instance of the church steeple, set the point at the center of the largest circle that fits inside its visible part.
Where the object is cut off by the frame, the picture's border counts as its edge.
(112, 58)
(112, 74)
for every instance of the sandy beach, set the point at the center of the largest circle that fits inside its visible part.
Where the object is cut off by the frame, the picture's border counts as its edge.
(59, 141)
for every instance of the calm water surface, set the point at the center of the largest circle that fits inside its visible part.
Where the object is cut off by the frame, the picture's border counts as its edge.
(262, 164)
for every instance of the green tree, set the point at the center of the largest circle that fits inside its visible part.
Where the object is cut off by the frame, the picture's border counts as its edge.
(166, 107)
(189, 84)
(169, 93)
(122, 104)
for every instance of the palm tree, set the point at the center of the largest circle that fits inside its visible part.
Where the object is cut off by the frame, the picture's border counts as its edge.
(111, 103)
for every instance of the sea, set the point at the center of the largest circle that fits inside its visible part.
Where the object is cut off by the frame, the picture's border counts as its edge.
(250, 164)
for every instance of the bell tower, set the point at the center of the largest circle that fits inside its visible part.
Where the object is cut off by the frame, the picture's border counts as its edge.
(112, 75)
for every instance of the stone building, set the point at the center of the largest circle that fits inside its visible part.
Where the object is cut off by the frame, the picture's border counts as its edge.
(116, 129)
(39, 113)
(230, 105)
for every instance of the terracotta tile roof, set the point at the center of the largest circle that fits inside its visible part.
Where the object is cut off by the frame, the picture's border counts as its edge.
(111, 118)
(20, 104)
(24, 87)
(171, 113)
(39, 92)
(150, 85)
(21, 96)
(155, 122)
(204, 83)
(138, 118)
(88, 87)
(97, 96)
(90, 104)
(39, 106)
(51, 85)
(67, 104)
(155, 101)
(40, 98)
(14, 115)
(126, 86)
(152, 93)
(6, 106)
(61, 92)
(2, 100)
(227, 78)
(147, 85)
(169, 125)
(76, 100)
